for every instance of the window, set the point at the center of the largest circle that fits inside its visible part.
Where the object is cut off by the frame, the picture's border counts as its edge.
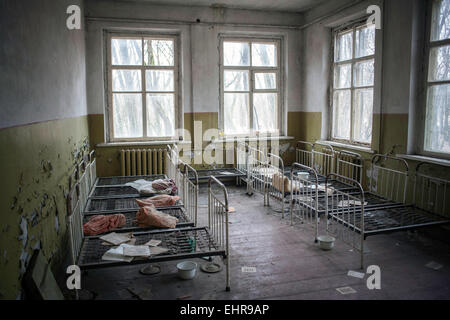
(353, 84)
(437, 119)
(250, 93)
(142, 88)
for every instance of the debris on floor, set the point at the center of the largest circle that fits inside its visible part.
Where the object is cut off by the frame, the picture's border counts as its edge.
(434, 265)
(141, 293)
(346, 290)
(356, 274)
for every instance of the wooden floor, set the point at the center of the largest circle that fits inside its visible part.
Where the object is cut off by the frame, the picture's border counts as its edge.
(288, 264)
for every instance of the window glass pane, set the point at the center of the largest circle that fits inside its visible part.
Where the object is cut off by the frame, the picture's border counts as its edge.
(437, 126)
(236, 54)
(440, 25)
(265, 112)
(126, 52)
(158, 52)
(127, 115)
(264, 55)
(362, 116)
(160, 115)
(344, 46)
(126, 80)
(365, 41)
(439, 67)
(342, 76)
(159, 80)
(363, 73)
(236, 113)
(341, 114)
(235, 80)
(265, 81)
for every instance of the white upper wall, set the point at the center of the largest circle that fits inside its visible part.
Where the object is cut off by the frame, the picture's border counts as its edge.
(42, 63)
(199, 45)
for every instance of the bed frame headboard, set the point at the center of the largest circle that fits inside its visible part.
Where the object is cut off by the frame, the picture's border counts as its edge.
(218, 219)
(302, 154)
(389, 183)
(431, 193)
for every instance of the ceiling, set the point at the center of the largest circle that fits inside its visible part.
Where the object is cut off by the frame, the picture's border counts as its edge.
(268, 5)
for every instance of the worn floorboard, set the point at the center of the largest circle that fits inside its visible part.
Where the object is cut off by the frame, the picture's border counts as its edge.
(289, 265)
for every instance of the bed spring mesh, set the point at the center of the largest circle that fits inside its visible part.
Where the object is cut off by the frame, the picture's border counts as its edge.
(117, 181)
(130, 216)
(178, 241)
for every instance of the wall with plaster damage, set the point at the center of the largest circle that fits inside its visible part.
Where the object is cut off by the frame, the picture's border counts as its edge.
(44, 132)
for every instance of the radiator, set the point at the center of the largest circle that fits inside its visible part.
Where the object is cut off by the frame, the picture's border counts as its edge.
(138, 162)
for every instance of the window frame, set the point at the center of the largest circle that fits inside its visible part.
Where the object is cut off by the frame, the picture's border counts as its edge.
(352, 27)
(278, 70)
(175, 37)
(422, 113)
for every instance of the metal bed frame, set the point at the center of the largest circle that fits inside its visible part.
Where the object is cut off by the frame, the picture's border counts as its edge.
(219, 173)
(87, 252)
(115, 205)
(188, 192)
(353, 224)
(304, 156)
(275, 167)
(308, 199)
(172, 162)
(121, 191)
(242, 160)
(178, 212)
(387, 187)
(257, 172)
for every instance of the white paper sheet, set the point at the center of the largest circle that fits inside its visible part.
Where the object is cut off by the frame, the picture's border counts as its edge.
(116, 238)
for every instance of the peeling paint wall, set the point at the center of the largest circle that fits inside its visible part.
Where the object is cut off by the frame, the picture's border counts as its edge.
(44, 131)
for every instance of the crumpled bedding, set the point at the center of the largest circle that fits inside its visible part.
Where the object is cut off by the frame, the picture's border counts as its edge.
(162, 200)
(150, 217)
(103, 223)
(160, 186)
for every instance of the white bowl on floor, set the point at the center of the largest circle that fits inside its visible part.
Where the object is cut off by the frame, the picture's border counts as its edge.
(326, 242)
(186, 270)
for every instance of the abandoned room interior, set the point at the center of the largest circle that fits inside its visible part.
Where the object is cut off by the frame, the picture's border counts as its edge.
(225, 150)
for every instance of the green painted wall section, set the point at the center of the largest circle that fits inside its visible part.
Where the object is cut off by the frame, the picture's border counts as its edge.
(36, 162)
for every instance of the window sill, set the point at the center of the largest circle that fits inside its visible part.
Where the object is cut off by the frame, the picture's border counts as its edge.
(140, 143)
(348, 146)
(414, 157)
(281, 138)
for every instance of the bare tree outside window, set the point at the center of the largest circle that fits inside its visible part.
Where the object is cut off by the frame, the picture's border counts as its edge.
(143, 87)
(250, 87)
(437, 120)
(353, 84)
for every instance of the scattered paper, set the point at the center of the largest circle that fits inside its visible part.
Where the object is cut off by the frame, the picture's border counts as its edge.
(157, 250)
(346, 290)
(153, 243)
(131, 242)
(355, 274)
(434, 265)
(116, 254)
(136, 251)
(116, 238)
